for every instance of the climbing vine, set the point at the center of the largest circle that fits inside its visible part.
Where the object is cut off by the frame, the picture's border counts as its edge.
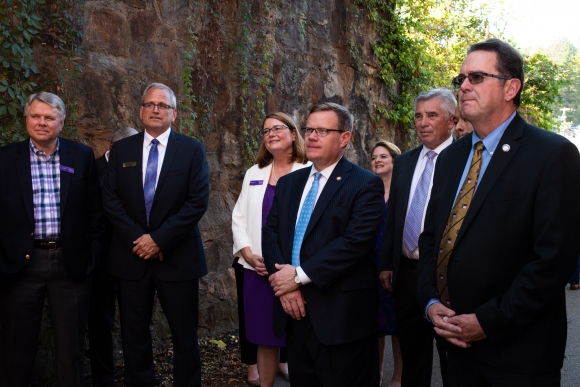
(52, 27)
(420, 46)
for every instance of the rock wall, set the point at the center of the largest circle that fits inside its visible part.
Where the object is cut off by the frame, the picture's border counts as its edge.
(243, 58)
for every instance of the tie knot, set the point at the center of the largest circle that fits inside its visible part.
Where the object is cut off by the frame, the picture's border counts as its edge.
(155, 141)
(317, 176)
(431, 155)
(479, 146)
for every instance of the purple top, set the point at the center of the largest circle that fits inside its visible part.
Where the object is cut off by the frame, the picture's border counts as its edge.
(267, 203)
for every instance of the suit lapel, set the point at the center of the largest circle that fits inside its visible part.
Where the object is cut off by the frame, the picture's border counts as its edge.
(170, 152)
(25, 178)
(497, 165)
(67, 160)
(407, 177)
(341, 170)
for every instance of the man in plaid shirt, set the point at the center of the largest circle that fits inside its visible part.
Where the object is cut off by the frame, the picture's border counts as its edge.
(50, 241)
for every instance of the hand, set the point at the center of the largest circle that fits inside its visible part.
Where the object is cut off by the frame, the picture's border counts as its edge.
(160, 256)
(439, 315)
(283, 280)
(293, 304)
(386, 278)
(471, 331)
(146, 248)
(255, 261)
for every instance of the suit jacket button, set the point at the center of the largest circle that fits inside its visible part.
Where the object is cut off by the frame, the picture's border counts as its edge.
(27, 256)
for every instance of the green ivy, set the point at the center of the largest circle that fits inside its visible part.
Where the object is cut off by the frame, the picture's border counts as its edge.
(22, 25)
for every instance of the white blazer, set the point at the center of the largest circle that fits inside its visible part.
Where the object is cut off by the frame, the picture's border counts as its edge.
(247, 214)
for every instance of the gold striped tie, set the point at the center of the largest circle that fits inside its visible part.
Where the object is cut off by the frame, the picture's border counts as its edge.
(455, 221)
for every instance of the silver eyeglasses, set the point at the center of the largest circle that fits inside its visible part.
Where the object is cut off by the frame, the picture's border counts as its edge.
(273, 130)
(162, 107)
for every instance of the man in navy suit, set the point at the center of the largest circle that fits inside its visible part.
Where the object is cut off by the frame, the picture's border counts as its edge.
(500, 236)
(318, 247)
(155, 194)
(50, 242)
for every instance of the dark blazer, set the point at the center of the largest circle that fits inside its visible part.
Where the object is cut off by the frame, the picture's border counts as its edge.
(403, 170)
(337, 250)
(80, 210)
(181, 199)
(517, 247)
(103, 166)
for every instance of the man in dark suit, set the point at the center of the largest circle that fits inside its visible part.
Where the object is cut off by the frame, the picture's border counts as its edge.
(494, 263)
(318, 247)
(49, 243)
(155, 194)
(410, 189)
(103, 295)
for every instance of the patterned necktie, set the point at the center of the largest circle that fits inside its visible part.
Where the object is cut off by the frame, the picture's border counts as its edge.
(150, 177)
(455, 221)
(418, 203)
(303, 220)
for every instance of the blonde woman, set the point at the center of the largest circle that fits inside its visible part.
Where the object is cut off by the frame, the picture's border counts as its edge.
(383, 154)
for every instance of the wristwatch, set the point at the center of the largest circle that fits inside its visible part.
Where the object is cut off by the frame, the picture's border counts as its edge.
(296, 278)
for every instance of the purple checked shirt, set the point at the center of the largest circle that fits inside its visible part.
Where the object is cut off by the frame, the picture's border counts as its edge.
(45, 192)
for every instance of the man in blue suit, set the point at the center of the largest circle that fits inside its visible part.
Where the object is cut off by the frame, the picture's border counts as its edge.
(155, 193)
(50, 242)
(318, 247)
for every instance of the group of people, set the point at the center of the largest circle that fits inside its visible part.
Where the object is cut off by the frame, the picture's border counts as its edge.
(473, 238)
(472, 233)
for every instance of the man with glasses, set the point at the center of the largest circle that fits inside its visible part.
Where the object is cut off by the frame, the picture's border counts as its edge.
(499, 242)
(318, 247)
(410, 191)
(155, 194)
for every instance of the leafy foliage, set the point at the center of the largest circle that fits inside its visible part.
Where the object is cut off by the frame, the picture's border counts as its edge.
(22, 25)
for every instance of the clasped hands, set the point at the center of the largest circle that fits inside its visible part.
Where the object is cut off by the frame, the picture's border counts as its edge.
(288, 291)
(460, 330)
(146, 248)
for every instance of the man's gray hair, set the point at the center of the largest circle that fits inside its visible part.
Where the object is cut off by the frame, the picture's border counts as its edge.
(447, 97)
(122, 133)
(160, 86)
(48, 98)
(345, 119)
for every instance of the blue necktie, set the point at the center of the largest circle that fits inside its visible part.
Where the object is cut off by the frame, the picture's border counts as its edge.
(303, 220)
(418, 203)
(150, 177)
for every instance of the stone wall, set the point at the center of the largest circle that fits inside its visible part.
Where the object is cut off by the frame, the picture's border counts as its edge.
(277, 54)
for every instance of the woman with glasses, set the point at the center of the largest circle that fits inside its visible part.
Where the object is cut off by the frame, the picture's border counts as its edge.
(281, 152)
(383, 154)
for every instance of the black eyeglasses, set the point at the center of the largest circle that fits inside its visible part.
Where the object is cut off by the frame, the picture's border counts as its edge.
(273, 130)
(475, 78)
(162, 107)
(321, 132)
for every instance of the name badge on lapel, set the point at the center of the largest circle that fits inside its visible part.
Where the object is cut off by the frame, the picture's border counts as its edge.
(66, 169)
(129, 164)
(256, 182)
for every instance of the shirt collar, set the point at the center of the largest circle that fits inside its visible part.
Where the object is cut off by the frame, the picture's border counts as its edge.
(326, 172)
(35, 150)
(163, 138)
(437, 150)
(492, 139)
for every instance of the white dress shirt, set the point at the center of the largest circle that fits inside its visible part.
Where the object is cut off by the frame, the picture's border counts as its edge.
(161, 148)
(416, 176)
(325, 175)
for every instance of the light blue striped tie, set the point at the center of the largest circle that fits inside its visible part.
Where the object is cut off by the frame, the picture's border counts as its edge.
(150, 177)
(303, 220)
(418, 203)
